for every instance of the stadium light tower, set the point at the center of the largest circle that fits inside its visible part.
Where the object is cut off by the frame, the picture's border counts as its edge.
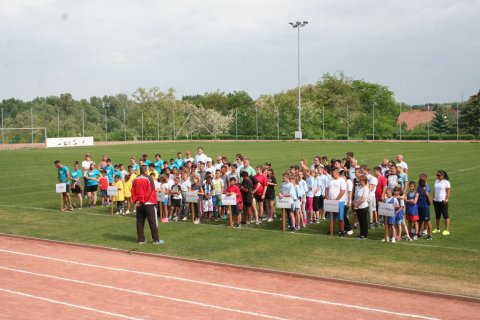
(299, 25)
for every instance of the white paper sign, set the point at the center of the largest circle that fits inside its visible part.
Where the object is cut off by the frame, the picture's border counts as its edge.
(386, 209)
(160, 196)
(61, 187)
(330, 205)
(284, 203)
(191, 196)
(112, 191)
(230, 200)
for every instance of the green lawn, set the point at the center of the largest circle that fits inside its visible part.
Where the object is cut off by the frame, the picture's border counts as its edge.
(29, 206)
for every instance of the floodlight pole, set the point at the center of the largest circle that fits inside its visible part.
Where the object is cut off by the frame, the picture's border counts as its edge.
(105, 106)
(31, 118)
(428, 123)
(323, 122)
(458, 115)
(83, 121)
(373, 123)
(58, 123)
(3, 133)
(299, 25)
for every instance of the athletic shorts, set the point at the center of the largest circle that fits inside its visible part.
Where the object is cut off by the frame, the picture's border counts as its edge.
(424, 214)
(391, 220)
(317, 203)
(412, 217)
(77, 189)
(103, 193)
(309, 204)
(372, 205)
(258, 198)
(235, 210)
(176, 202)
(399, 217)
(92, 188)
(441, 209)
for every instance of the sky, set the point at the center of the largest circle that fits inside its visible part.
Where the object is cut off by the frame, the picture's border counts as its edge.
(423, 50)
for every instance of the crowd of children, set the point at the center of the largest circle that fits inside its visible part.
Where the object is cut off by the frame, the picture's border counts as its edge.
(357, 188)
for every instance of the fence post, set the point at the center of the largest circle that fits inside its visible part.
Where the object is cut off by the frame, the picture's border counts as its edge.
(31, 118)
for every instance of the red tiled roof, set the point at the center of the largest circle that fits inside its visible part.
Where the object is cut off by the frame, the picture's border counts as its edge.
(415, 118)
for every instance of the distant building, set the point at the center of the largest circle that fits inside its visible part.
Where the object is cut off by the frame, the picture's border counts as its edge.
(415, 118)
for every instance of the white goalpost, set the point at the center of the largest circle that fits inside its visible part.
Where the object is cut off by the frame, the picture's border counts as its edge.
(24, 136)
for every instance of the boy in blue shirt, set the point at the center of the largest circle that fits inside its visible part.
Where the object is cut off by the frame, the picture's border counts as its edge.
(109, 170)
(179, 162)
(64, 177)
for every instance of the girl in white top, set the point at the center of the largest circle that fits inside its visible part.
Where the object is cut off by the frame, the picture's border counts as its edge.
(360, 203)
(440, 201)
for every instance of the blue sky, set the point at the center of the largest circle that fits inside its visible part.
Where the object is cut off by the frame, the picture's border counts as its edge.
(424, 51)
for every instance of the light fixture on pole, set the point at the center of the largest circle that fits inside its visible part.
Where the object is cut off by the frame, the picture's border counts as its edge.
(298, 25)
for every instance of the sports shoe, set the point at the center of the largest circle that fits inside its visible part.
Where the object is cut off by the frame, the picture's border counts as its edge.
(270, 220)
(236, 225)
(424, 232)
(429, 238)
(127, 212)
(446, 232)
(383, 240)
(197, 221)
(164, 220)
(436, 231)
(415, 238)
(393, 240)
(350, 232)
(158, 242)
(184, 219)
(409, 239)
(118, 212)
(142, 242)
(362, 238)
(264, 218)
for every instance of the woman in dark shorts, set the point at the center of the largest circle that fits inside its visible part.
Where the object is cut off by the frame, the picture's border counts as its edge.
(92, 177)
(440, 201)
(76, 185)
(270, 195)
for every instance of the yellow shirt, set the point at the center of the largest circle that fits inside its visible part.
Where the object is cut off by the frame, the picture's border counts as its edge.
(127, 185)
(120, 191)
(155, 173)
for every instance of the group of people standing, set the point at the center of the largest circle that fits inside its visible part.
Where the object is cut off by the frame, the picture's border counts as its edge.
(156, 189)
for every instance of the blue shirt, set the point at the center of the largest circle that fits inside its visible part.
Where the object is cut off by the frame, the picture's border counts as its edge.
(178, 163)
(158, 165)
(93, 174)
(147, 162)
(75, 174)
(63, 174)
(422, 197)
(110, 171)
(135, 167)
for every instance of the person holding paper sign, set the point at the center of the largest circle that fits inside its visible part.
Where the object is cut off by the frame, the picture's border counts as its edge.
(234, 189)
(145, 199)
(64, 177)
(335, 190)
(360, 204)
(288, 190)
(390, 221)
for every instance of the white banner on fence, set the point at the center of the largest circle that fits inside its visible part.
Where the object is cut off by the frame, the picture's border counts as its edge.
(61, 187)
(284, 203)
(69, 142)
(112, 191)
(191, 196)
(330, 206)
(386, 209)
(230, 200)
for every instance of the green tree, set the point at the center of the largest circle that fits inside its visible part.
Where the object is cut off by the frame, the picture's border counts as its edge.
(440, 122)
(469, 120)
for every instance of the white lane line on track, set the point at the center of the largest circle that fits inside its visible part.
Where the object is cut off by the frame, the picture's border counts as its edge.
(68, 304)
(250, 313)
(275, 294)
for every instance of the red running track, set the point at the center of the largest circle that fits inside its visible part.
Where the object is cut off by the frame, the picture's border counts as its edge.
(48, 280)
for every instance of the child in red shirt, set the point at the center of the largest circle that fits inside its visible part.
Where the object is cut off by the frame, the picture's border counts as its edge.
(234, 189)
(103, 189)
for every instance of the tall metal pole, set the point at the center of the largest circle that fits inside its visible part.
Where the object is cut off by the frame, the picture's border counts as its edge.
(142, 124)
(373, 123)
(458, 115)
(106, 124)
(31, 118)
(323, 122)
(158, 127)
(236, 123)
(256, 119)
(348, 127)
(298, 25)
(428, 124)
(58, 123)
(83, 121)
(174, 133)
(3, 131)
(400, 122)
(124, 125)
(278, 124)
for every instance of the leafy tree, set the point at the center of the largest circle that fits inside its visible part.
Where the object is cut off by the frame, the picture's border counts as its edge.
(440, 122)
(469, 119)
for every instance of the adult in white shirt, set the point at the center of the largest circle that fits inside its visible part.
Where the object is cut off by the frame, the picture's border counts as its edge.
(210, 167)
(219, 163)
(200, 157)
(360, 203)
(440, 201)
(335, 190)
(353, 166)
(188, 157)
(402, 163)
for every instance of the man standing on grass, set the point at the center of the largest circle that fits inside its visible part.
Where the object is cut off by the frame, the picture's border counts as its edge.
(64, 177)
(145, 198)
(335, 190)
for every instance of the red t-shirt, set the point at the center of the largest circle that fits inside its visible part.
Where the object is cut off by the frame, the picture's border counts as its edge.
(235, 189)
(104, 183)
(382, 183)
(143, 191)
(262, 183)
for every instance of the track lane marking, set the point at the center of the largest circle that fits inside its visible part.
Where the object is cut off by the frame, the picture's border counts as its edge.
(68, 304)
(286, 296)
(207, 305)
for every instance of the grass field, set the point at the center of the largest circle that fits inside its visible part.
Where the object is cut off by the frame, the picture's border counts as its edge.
(29, 206)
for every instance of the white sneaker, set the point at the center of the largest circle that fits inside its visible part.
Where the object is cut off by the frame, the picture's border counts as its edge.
(424, 232)
(118, 212)
(350, 232)
(270, 220)
(185, 219)
(127, 212)
(393, 240)
(197, 221)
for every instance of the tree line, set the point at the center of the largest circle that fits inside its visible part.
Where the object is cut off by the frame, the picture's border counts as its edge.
(336, 107)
